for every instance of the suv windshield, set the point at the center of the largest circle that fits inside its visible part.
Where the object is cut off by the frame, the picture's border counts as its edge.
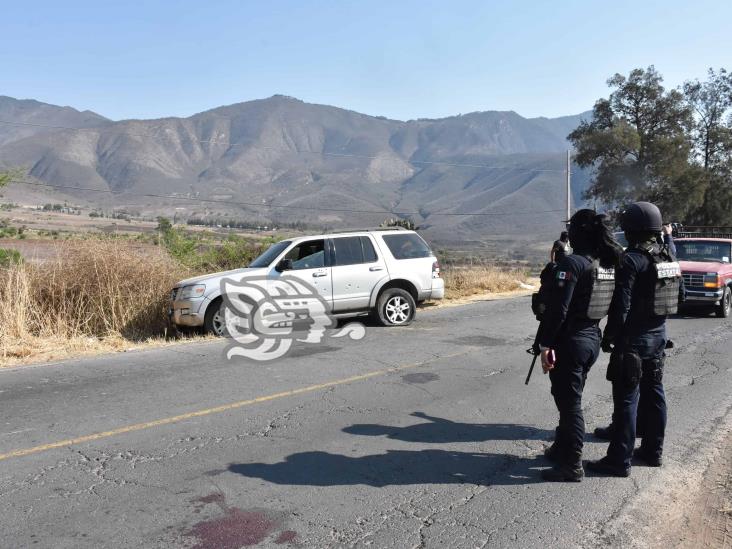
(407, 246)
(270, 255)
(703, 250)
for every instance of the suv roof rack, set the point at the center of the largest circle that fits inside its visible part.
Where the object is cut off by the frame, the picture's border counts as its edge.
(368, 230)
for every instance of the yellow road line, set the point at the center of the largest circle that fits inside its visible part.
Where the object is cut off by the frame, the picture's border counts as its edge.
(216, 410)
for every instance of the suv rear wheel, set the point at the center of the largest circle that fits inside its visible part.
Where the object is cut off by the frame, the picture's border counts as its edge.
(395, 307)
(723, 309)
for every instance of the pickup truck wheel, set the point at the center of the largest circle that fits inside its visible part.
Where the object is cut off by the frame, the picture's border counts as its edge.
(395, 307)
(214, 322)
(723, 309)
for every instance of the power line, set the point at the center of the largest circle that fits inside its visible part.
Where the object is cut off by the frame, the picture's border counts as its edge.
(295, 151)
(300, 208)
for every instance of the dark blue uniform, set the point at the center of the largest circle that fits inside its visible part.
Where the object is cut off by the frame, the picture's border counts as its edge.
(576, 341)
(634, 328)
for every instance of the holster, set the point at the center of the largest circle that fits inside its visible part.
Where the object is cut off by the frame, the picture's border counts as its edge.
(653, 369)
(614, 366)
(625, 368)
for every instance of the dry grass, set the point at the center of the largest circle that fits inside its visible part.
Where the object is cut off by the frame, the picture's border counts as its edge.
(98, 296)
(93, 295)
(465, 282)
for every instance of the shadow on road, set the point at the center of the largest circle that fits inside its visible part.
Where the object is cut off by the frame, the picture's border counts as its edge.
(395, 468)
(440, 430)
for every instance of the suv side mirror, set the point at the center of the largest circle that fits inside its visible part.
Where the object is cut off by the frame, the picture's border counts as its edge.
(283, 265)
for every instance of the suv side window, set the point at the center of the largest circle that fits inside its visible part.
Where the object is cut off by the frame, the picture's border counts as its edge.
(407, 246)
(369, 254)
(308, 255)
(348, 250)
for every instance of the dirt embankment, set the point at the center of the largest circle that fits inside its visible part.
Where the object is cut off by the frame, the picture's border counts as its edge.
(708, 522)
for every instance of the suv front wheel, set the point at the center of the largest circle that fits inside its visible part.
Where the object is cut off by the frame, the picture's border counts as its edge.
(723, 309)
(395, 307)
(214, 322)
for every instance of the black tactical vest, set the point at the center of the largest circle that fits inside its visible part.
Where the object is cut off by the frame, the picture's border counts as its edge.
(667, 272)
(603, 285)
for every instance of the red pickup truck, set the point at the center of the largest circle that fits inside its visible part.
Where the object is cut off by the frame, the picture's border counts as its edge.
(706, 267)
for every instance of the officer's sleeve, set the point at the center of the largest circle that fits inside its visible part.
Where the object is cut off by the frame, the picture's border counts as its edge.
(622, 295)
(669, 241)
(565, 280)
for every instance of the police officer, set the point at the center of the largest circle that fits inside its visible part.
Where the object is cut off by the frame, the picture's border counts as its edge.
(605, 433)
(560, 248)
(569, 336)
(646, 290)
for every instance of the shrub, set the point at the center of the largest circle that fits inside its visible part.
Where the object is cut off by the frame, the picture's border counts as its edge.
(461, 282)
(10, 257)
(96, 289)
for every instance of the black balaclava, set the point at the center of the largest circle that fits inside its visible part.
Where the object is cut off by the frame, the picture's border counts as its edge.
(582, 232)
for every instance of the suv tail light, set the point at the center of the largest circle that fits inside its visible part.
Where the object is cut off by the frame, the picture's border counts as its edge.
(712, 280)
(436, 269)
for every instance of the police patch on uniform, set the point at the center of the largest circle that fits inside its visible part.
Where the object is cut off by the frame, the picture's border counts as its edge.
(668, 270)
(564, 275)
(605, 274)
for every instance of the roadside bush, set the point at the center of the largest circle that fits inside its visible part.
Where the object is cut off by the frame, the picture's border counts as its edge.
(90, 289)
(197, 253)
(235, 252)
(462, 282)
(9, 257)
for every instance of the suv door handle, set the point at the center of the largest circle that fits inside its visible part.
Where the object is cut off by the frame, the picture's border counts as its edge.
(376, 269)
(320, 274)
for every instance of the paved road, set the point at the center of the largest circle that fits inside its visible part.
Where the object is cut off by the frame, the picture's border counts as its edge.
(423, 436)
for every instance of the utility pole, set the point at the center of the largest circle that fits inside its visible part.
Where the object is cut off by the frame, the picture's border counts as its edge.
(569, 191)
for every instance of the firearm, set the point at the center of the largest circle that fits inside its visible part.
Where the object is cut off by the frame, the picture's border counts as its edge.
(533, 350)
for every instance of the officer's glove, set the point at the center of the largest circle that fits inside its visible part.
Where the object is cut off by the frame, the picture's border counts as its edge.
(606, 345)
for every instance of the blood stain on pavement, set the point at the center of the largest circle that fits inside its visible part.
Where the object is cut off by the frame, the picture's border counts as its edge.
(288, 536)
(235, 529)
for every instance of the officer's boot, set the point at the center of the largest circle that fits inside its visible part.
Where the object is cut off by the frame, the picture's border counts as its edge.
(651, 459)
(568, 470)
(554, 453)
(604, 433)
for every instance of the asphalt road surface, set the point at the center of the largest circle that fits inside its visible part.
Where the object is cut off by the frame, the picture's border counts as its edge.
(423, 436)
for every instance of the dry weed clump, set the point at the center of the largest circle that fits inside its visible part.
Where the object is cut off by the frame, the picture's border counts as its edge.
(463, 282)
(89, 291)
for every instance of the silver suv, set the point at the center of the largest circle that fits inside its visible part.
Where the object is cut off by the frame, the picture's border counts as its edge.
(381, 271)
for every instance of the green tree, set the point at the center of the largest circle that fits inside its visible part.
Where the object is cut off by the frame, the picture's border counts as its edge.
(164, 224)
(639, 147)
(400, 222)
(710, 103)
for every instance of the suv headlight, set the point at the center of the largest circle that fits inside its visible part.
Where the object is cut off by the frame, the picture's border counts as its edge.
(191, 292)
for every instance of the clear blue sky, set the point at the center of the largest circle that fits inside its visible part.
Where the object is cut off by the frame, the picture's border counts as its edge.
(401, 59)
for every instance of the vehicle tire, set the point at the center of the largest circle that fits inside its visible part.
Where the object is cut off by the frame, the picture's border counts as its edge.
(395, 307)
(213, 322)
(725, 304)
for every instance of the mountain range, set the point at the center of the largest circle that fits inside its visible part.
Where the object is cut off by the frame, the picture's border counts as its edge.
(283, 160)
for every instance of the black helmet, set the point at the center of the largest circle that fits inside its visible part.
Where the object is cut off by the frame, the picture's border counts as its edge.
(641, 217)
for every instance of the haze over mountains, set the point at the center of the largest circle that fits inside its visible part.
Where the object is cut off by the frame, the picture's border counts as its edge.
(284, 159)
